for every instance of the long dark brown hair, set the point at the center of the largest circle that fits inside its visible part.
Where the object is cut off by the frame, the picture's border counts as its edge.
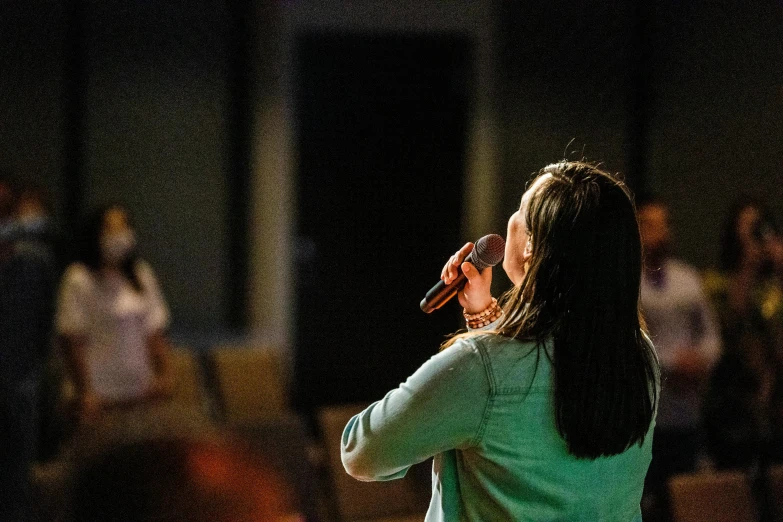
(731, 249)
(581, 291)
(89, 245)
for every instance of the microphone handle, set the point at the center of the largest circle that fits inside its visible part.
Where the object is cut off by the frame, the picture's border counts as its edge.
(442, 293)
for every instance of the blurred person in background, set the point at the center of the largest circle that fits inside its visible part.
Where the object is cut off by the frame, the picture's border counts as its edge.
(111, 318)
(744, 406)
(39, 237)
(37, 232)
(26, 295)
(182, 480)
(685, 333)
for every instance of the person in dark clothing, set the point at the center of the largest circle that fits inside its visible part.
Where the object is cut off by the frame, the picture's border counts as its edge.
(744, 405)
(37, 236)
(191, 479)
(26, 308)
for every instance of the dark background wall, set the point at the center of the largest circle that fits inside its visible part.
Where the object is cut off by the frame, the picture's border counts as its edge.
(686, 98)
(130, 101)
(716, 117)
(568, 84)
(32, 54)
(157, 111)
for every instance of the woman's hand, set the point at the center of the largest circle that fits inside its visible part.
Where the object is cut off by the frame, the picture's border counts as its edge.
(475, 296)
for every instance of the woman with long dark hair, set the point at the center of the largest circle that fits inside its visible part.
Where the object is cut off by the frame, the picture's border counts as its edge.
(111, 317)
(545, 413)
(743, 408)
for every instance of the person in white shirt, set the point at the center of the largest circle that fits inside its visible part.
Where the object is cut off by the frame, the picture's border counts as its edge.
(111, 317)
(687, 339)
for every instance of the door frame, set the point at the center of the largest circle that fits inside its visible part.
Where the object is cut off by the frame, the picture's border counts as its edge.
(273, 216)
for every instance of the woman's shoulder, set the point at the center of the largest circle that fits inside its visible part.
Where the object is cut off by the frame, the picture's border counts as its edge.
(497, 350)
(78, 274)
(145, 273)
(688, 278)
(683, 269)
(486, 339)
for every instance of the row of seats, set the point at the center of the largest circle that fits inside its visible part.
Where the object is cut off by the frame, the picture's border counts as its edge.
(709, 496)
(403, 500)
(726, 496)
(249, 382)
(251, 391)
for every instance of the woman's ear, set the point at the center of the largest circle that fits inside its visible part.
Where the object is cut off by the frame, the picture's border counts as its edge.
(528, 252)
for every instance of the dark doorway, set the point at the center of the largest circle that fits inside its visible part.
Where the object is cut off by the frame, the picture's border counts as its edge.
(382, 131)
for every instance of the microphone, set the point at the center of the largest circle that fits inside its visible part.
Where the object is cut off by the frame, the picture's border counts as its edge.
(487, 252)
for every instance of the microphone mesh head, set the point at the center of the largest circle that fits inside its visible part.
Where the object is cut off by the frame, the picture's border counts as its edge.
(488, 251)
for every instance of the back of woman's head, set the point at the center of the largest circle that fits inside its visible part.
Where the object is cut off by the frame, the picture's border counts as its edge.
(581, 289)
(732, 249)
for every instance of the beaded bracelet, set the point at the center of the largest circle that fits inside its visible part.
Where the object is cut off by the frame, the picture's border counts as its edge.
(491, 314)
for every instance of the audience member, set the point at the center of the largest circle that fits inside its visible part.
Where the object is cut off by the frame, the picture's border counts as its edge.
(744, 407)
(111, 317)
(37, 232)
(26, 288)
(38, 237)
(686, 337)
(182, 480)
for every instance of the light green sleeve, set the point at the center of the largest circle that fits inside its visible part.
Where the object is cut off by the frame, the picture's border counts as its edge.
(440, 407)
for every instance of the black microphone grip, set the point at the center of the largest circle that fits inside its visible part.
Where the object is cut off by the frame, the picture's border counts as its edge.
(487, 252)
(442, 293)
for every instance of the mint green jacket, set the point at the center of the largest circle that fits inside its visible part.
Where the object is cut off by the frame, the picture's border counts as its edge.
(484, 409)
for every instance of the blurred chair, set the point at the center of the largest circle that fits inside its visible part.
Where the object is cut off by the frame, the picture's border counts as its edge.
(284, 442)
(250, 384)
(724, 496)
(188, 384)
(190, 478)
(51, 493)
(53, 481)
(393, 501)
(187, 394)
